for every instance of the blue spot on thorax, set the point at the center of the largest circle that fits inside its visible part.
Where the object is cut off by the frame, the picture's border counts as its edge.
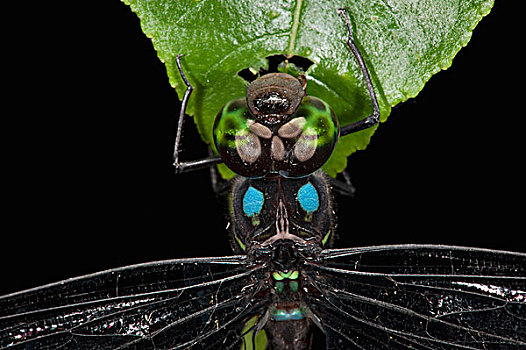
(252, 202)
(308, 198)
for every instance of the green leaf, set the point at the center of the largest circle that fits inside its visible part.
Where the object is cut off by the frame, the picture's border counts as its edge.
(403, 42)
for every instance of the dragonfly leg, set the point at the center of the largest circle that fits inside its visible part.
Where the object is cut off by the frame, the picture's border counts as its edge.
(374, 118)
(344, 187)
(220, 186)
(181, 167)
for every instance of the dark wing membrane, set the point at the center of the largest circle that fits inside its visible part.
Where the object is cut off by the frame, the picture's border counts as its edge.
(163, 305)
(420, 297)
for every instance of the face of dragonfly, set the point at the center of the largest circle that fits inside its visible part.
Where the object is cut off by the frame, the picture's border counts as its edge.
(276, 130)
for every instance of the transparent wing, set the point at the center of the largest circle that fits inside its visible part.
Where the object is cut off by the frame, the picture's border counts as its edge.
(420, 297)
(161, 305)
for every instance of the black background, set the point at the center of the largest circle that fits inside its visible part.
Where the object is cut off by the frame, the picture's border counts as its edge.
(89, 183)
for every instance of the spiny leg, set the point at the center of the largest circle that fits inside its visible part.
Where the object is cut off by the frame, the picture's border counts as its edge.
(219, 186)
(374, 118)
(345, 187)
(181, 167)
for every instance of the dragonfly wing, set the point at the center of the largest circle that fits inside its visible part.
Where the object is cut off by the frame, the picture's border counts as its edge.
(421, 297)
(168, 304)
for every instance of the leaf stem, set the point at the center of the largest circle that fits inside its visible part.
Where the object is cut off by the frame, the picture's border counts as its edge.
(295, 24)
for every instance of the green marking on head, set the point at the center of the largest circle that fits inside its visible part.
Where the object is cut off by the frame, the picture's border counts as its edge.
(320, 119)
(231, 121)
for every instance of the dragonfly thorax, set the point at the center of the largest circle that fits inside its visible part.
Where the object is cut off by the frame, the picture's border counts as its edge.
(280, 214)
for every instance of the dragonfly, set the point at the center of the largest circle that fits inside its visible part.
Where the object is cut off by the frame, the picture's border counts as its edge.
(287, 277)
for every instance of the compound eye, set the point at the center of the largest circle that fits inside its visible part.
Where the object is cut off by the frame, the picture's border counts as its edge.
(240, 141)
(312, 134)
